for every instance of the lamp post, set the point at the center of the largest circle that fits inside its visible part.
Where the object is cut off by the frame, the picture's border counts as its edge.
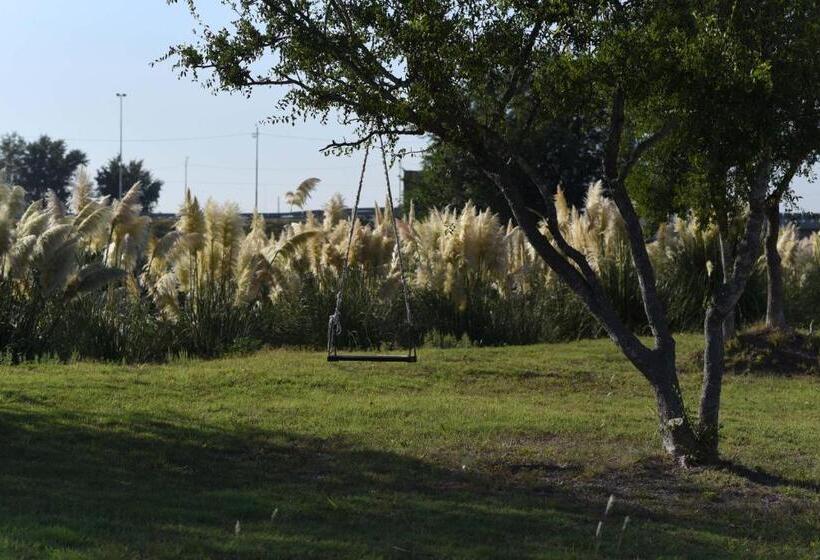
(256, 173)
(121, 97)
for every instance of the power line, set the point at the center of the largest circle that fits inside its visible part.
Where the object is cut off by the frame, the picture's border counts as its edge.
(193, 138)
(289, 137)
(242, 184)
(240, 168)
(180, 139)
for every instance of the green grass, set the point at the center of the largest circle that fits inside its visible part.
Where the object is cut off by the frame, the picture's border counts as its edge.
(472, 453)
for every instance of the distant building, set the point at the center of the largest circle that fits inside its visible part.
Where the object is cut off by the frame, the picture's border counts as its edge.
(807, 223)
(164, 221)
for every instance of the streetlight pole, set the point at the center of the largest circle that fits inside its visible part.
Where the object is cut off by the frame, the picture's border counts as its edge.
(401, 184)
(256, 174)
(121, 97)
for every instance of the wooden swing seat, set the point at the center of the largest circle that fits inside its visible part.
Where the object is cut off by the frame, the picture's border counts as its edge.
(334, 326)
(408, 359)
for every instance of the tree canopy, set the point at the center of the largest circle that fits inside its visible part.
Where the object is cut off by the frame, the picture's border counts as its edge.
(39, 166)
(705, 164)
(133, 172)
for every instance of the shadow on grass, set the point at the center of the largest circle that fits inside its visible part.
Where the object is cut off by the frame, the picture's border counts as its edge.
(764, 478)
(134, 487)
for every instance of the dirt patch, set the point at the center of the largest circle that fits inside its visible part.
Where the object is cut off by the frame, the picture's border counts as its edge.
(767, 351)
(534, 374)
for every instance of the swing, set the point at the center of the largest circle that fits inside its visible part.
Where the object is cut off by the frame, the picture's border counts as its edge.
(334, 323)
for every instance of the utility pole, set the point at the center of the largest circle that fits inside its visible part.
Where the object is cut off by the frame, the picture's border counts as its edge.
(256, 176)
(186, 174)
(401, 184)
(121, 97)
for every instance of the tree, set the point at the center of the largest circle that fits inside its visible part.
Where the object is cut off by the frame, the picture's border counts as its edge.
(108, 178)
(12, 156)
(40, 166)
(798, 150)
(787, 122)
(449, 178)
(478, 75)
(780, 192)
(567, 154)
(781, 117)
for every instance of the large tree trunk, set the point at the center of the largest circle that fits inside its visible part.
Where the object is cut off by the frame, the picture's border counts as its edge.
(775, 300)
(657, 365)
(677, 433)
(723, 303)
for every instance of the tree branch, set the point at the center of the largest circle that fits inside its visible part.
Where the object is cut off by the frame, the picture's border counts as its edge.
(615, 182)
(632, 347)
(729, 292)
(335, 145)
(518, 72)
(612, 147)
(785, 181)
(643, 146)
(553, 226)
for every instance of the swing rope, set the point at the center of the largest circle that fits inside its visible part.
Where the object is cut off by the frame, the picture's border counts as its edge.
(405, 291)
(334, 323)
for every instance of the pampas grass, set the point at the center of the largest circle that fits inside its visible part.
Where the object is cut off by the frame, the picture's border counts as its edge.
(212, 282)
(302, 193)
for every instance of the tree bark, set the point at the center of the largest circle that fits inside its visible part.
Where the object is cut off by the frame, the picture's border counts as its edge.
(723, 303)
(678, 436)
(713, 365)
(729, 325)
(775, 300)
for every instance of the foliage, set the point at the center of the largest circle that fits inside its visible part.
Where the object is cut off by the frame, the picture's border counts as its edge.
(133, 172)
(687, 256)
(801, 262)
(41, 166)
(12, 155)
(706, 164)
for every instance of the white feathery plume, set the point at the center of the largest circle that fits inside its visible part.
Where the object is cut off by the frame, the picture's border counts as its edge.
(303, 192)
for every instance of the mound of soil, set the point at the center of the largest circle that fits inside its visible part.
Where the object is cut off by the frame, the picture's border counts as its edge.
(769, 351)
(766, 351)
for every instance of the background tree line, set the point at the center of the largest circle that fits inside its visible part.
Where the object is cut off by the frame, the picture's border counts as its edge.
(47, 164)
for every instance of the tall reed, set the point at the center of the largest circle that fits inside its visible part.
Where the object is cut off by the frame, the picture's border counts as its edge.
(101, 270)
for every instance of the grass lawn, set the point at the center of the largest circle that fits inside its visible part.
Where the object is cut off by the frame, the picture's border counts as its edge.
(471, 453)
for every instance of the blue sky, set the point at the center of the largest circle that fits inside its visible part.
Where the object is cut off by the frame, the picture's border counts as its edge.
(62, 63)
